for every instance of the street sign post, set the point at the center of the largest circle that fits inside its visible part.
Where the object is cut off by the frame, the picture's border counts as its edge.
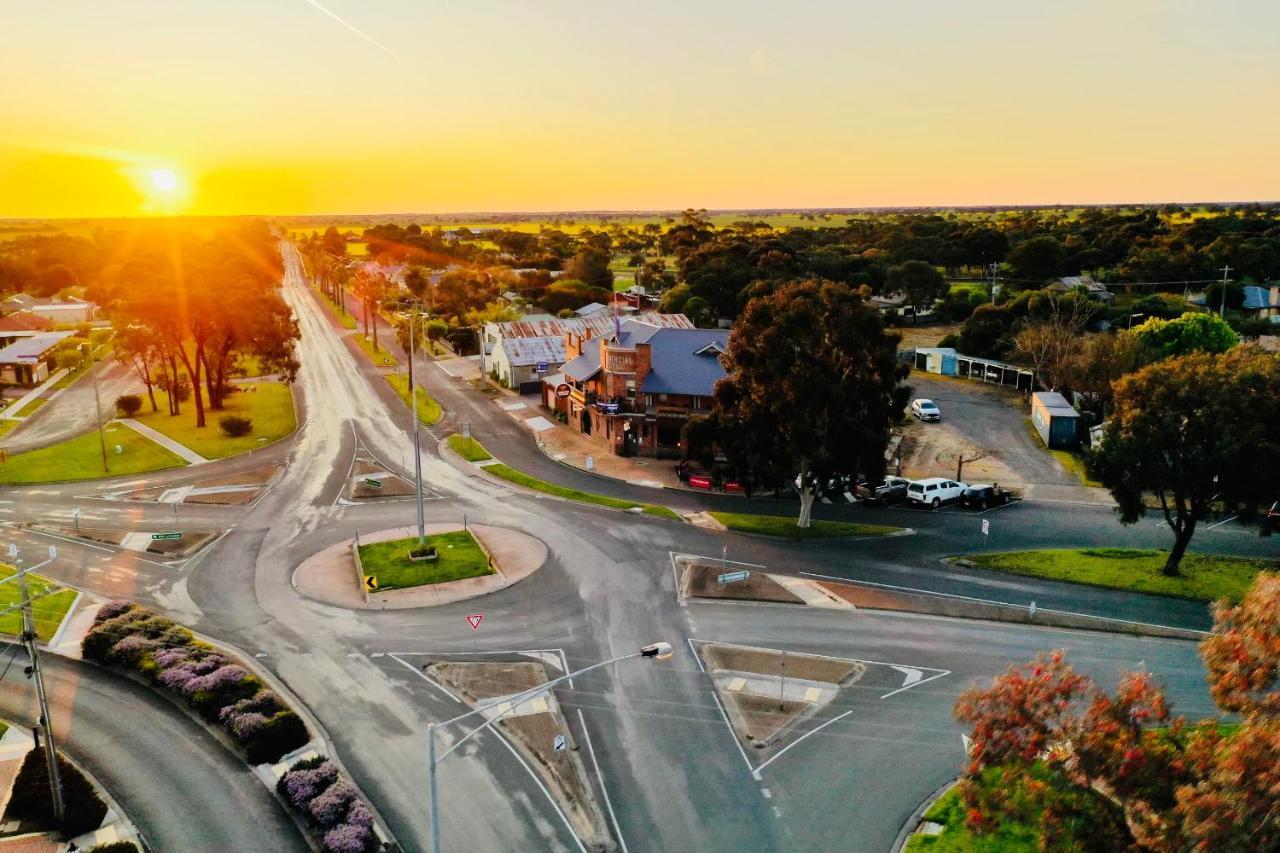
(164, 537)
(559, 743)
(474, 620)
(372, 483)
(732, 577)
(371, 583)
(986, 527)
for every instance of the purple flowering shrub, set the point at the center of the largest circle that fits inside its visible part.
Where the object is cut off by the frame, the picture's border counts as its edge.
(130, 650)
(112, 609)
(329, 809)
(306, 781)
(348, 838)
(331, 803)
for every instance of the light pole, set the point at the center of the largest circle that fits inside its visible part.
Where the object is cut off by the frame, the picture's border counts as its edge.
(656, 651)
(417, 455)
(1131, 316)
(97, 407)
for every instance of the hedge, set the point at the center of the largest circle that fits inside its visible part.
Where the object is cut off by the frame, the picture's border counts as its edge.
(331, 806)
(217, 687)
(83, 809)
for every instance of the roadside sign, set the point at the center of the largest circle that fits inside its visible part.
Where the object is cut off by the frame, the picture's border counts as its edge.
(474, 620)
(371, 583)
(563, 390)
(372, 483)
(986, 527)
(559, 743)
(163, 537)
(591, 463)
(732, 577)
(542, 367)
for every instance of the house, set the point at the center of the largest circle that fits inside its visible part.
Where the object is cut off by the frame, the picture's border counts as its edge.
(58, 311)
(24, 321)
(1093, 289)
(28, 359)
(520, 363)
(591, 309)
(494, 335)
(634, 387)
(1263, 302)
(1055, 419)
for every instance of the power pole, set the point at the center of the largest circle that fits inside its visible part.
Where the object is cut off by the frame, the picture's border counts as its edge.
(44, 724)
(994, 266)
(1222, 310)
(417, 447)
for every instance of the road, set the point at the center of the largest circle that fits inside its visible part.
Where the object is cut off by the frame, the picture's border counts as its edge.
(675, 775)
(70, 413)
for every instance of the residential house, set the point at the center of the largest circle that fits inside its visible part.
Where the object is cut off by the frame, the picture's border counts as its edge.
(28, 360)
(1093, 289)
(67, 312)
(24, 321)
(634, 386)
(1263, 302)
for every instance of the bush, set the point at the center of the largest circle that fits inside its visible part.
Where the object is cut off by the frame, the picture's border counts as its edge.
(348, 838)
(281, 735)
(115, 847)
(235, 427)
(83, 808)
(128, 404)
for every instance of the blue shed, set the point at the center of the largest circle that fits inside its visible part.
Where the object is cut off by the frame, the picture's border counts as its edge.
(1055, 419)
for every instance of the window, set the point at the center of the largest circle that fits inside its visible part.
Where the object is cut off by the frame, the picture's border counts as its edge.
(662, 398)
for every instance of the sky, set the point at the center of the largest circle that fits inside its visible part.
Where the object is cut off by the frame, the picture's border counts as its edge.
(133, 107)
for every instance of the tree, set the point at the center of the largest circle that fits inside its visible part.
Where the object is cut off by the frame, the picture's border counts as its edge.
(813, 386)
(371, 288)
(1054, 343)
(128, 404)
(590, 265)
(1192, 332)
(920, 281)
(1189, 430)
(1036, 261)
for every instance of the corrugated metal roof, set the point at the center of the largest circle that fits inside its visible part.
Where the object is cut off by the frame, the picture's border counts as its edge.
(522, 352)
(27, 350)
(1055, 404)
(597, 324)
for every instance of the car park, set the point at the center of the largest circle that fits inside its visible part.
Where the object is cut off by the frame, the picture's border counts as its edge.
(925, 410)
(891, 490)
(934, 491)
(982, 496)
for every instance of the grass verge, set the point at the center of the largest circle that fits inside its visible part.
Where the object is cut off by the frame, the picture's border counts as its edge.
(80, 458)
(785, 526)
(428, 409)
(1071, 461)
(268, 404)
(522, 479)
(949, 810)
(46, 612)
(1205, 577)
(468, 448)
(460, 557)
(346, 318)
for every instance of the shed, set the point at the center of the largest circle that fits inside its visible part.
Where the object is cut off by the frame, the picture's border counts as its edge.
(1056, 421)
(940, 360)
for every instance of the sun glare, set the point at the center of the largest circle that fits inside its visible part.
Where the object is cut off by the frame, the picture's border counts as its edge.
(163, 180)
(164, 189)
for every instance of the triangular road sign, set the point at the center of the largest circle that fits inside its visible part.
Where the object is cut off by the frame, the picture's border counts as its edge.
(474, 619)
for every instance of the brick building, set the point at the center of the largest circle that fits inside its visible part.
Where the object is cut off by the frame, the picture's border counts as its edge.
(634, 387)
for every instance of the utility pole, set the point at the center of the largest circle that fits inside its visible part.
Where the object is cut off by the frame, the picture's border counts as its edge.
(97, 407)
(1222, 310)
(417, 453)
(994, 266)
(44, 724)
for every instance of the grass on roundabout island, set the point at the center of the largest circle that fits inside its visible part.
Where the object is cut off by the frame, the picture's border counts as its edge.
(47, 612)
(785, 526)
(473, 451)
(80, 458)
(460, 556)
(268, 404)
(1204, 577)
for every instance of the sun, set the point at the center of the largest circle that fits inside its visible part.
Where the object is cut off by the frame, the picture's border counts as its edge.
(164, 188)
(163, 180)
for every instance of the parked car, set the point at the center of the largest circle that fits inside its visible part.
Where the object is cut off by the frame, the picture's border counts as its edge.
(934, 491)
(925, 410)
(981, 496)
(1271, 521)
(891, 491)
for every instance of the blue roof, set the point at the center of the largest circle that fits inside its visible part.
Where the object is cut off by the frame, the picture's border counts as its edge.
(1258, 298)
(685, 361)
(585, 365)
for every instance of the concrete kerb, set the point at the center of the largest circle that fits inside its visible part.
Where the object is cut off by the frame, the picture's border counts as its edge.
(909, 828)
(851, 537)
(130, 829)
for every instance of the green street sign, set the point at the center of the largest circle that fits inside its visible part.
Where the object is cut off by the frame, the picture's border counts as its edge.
(157, 537)
(373, 484)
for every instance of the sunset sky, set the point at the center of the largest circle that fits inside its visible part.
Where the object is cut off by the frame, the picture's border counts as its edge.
(135, 107)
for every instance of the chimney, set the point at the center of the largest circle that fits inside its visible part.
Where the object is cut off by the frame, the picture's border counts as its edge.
(644, 363)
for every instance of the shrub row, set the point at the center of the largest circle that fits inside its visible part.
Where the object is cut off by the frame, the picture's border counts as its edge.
(83, 810)
(331, 805)
(217, 687)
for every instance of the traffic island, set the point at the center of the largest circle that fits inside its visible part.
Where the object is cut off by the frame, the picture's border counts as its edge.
(173, 544)
(238, 489)
(707, 579)
(378, 573)
(538, 729)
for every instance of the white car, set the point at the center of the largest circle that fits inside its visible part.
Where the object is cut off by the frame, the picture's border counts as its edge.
(934, 492)
(925, 410)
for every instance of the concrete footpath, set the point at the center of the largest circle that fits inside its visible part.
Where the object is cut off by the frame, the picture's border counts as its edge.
(164, 441)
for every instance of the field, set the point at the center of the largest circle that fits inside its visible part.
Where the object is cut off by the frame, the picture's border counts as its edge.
(268, 404)
(80, 458)
(459, 557)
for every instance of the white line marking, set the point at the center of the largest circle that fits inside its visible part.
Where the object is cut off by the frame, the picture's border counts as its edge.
(1220, 523)
(814, 731)
(723, 715)
(617, 830)
(768, 795)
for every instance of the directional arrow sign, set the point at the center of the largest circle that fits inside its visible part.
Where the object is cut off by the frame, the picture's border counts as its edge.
(371, 583)
(474, 620)
(372, 483)
(160, 537)
(733, 577)
(559, 743)
(912, 675)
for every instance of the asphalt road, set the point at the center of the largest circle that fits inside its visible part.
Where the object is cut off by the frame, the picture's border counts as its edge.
(70, 413)
(674, 774)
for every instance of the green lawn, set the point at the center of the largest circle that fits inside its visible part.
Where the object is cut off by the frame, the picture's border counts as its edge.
(428, 409)
(468, 448)
(460, 557)
(80, 458)
(1071, 461)
(7, 425)
(346, 318)
(785, 526)
(522, 479)
(31, 408)
(949, 810)
(382, 356)
(47, 612)
(1205, 577)
(270, 407)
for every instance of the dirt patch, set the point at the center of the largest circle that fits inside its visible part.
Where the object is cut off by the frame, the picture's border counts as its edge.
(366, 469)
(259, 476)
(761, 720)
(771, 662)
(914, 337)
(92, 534)
(487, 679)
(700, 582)
(237, 498)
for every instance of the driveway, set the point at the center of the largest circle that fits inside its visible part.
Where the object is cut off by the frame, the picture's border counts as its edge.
(70, 412)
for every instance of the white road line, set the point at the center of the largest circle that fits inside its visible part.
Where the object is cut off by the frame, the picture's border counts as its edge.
(768, 795)
(723, 715)
(608, 804)
(814, 731)
(941, 674)
(1220, 523)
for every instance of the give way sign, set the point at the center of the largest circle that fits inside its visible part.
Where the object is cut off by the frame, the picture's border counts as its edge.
(475, 619)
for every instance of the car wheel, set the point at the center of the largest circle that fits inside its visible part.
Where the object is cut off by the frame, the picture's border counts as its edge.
(936, 503)
(982, 505)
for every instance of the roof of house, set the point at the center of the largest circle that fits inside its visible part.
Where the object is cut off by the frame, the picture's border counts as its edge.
(544, 325)
(1055, 404)
(1260, 298)
(591, 309)
(685, 361)
(28, 350)
(522, 352)
(26, 300)
(24, 321)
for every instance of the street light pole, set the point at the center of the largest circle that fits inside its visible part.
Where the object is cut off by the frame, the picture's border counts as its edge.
(417, 453)
(656, 651)
(97, 408)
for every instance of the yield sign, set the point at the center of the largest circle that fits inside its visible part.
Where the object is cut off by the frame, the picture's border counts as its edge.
(474, 620)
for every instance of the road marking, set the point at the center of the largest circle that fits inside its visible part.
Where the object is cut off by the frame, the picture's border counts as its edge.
(768, 795)
(723, 715)
(776, 812)
(814, 731)
(1220, 523)
(613, 819)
